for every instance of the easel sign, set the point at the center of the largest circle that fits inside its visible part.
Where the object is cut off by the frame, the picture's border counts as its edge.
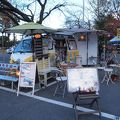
(27, 76)
(84, 80)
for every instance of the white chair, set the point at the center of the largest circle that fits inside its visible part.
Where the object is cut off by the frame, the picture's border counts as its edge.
(61, 80)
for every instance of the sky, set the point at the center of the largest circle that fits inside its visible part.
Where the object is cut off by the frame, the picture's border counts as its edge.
(57, 19)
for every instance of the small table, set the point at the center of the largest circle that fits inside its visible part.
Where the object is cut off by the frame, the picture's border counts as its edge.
(107, 76)
(64, 66)
(113, 65)
(115, 68)
(45, 75)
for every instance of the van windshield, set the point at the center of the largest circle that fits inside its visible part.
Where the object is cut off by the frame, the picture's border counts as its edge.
(24, 46)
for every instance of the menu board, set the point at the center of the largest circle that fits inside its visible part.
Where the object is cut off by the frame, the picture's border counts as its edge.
(27, 75)
(84, 80)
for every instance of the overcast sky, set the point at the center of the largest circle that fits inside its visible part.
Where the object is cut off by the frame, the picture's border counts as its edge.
(57, 19)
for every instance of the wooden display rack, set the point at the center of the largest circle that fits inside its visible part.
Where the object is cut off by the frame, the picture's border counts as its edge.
(43, 62)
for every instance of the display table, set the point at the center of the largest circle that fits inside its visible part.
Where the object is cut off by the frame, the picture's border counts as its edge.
(68, 65)
(45, 75)
(107, 76)
(64, 66)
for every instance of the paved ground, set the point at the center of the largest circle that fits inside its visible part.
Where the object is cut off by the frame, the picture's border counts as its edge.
(20, 107)
(45, 106)
(25, 108)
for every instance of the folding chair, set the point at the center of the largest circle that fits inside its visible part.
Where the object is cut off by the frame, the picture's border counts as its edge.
(61, 82)
(107, 76)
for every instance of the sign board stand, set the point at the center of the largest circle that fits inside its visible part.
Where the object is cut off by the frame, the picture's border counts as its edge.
(27, 76)
(92, 98)
(83, 84)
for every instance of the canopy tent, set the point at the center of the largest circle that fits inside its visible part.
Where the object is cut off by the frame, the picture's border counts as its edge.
(30, 28)
(115, 39)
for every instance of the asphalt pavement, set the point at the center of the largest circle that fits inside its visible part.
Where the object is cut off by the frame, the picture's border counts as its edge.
(13, 107)
(44, 106)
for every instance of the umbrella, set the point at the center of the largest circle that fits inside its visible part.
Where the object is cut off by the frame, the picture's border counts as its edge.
(115, 39)
(30, 28)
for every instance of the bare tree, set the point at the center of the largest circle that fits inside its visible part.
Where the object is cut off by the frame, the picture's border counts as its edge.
(7, 9)
(74, 17)
(16, 13)
(105, 8)
(114, 8)
(98, 7)
(106, 14)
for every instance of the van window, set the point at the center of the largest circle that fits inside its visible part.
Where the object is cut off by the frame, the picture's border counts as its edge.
(72, 45)
(24, 46)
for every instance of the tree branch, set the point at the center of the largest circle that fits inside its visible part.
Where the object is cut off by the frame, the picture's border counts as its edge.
(11, 9)
(58, 6)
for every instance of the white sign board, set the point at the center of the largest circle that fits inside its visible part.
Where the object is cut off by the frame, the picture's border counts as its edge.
(83, 79)
(27, 75)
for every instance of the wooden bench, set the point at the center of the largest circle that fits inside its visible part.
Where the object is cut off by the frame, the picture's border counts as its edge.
(9, 72)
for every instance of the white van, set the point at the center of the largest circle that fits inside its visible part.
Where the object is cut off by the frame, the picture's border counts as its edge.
(59, 48)
(65, 50)
(23, 51)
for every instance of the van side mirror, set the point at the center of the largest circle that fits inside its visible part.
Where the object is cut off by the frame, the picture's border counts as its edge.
(21, 51)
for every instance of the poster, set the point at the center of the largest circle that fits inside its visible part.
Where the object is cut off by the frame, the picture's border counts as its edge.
(27, 75)
(83, 79)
